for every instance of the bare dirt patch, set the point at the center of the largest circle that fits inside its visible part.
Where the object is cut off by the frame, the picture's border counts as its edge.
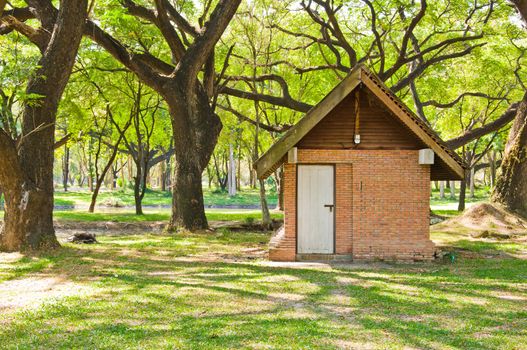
(32, 292)
(65, 229)
(486, 220)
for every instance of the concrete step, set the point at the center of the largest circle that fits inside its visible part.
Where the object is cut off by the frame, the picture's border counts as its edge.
(324, 257)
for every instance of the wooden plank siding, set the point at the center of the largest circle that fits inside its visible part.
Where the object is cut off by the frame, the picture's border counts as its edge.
(378, 129)
(386, 123)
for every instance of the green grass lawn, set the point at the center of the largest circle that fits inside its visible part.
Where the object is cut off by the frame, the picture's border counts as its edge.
(445, 207)
(216, 290)
(212, 215)
(448, 204)
(247, 196)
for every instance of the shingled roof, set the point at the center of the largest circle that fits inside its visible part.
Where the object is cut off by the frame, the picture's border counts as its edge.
(277, 154)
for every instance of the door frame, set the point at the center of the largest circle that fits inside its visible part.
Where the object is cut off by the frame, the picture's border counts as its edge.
(334, 204)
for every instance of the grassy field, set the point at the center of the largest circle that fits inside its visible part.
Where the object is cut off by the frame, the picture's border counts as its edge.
(446, 206)
(206, 291)
(213, 197)
(125, 197)
(160, 215)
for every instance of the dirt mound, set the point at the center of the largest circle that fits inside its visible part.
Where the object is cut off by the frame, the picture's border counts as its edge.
(487, 220)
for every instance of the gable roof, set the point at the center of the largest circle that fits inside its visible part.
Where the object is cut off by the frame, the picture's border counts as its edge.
(276, 155)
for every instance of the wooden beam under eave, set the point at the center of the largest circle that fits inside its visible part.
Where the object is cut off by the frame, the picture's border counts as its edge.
(412, 125)
(308, 122)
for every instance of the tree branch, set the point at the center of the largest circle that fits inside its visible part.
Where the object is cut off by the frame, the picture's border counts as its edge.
(141, 64)
(198, 53)
(39, 37)
(460, 97)
(474, 134)
(422, 67)
(279, 101)
(241, 117)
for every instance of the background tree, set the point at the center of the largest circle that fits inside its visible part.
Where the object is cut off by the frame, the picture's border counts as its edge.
(188, 93)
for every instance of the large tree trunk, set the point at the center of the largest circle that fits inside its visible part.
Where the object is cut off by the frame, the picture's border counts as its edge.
(196, 129)
(511, 185)
(27, 176)
(28, 209)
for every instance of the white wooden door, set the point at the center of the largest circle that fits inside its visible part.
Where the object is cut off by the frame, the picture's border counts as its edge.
(316, 209)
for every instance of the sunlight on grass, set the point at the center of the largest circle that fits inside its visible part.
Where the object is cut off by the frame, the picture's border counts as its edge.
(247, 196)
(202, 291)
(212, 215)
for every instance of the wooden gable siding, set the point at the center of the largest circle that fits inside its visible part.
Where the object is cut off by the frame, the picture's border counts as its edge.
(378, 129)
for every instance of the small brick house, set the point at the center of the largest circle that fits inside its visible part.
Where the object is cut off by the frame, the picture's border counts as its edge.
(357, 172)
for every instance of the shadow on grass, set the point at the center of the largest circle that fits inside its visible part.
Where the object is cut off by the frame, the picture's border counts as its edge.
(146, 296)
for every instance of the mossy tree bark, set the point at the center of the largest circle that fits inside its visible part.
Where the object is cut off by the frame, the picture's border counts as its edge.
(511, 185)
(26, 165)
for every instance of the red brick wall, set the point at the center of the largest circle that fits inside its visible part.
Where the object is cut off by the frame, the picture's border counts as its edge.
(382, 204)
(343, 206)
(285, 250)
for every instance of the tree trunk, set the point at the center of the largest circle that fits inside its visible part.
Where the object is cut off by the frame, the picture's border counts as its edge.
(462, 193)
(472, 182)
(123, 176)
(251, 174)
(138, 179)
(239, 168)
(137, 198)
(113, 177)
(90, 174)
(141, 176)
(162, 178)
(492, 161)
(452, 189)
(196, 129)
(66, 168)
(511, 185)
(266, 216)
(27, 172)
(281, 189)
(442, 189)
(210, 175)
(101, 177)
(168, 174)
(231, 175)
(195, 125)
